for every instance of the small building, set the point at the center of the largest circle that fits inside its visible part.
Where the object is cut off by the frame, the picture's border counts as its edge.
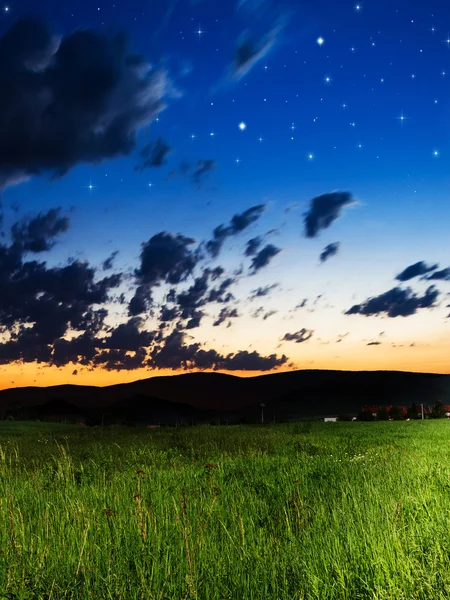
(330, 419)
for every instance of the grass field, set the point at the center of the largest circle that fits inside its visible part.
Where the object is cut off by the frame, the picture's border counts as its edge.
(298, 511)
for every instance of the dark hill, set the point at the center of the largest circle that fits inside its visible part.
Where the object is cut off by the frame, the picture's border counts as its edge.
(199, 396)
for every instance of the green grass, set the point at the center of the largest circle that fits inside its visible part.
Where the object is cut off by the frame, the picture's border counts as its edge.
(308, 511)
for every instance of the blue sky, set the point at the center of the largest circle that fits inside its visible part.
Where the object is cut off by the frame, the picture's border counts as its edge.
(254, 103)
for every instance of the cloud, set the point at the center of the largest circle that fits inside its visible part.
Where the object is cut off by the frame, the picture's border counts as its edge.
(249, 52)
(299, 337)
(442, 275)
(396, 302)
(81, 98)
(36, 234)
(373, 344)
(155, 154)
(108, 263)
(263, 291)
(174, 354)
(201, 168)
(329, 251)
(324, 210)
(237, 224)
(263, 258)
(128, 336)
(253, 246)
(418, 268)
(225, 313)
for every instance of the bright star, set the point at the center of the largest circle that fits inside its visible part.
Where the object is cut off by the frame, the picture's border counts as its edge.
(90, 187)
(447, 41)
(238, 160)
(193, 136)
(6, 8)
(150, 185)
(311, 156)
(402, 118)
(435, 153)
(260, 139)
(358, 7)
(242, 126)
(199, 32)
(327, 79)
(320, 41)
(212, 134)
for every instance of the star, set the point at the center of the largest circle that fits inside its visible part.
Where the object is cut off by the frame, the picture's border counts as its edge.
(320, 41)
(150, 185)
(242, 126)
(310, 156)
(193, 136)
(260, 139)
(358, 7)
(90, 187)
(327, 79)
(436, 153)
(6, 9)
(199, 32)
(238, 160)
(447, 41)
(402, 118)
(212, 134)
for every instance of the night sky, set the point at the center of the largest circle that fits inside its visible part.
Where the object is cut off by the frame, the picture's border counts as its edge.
(242, 186)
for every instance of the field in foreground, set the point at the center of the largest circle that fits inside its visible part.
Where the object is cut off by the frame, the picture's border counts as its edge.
(304, 511)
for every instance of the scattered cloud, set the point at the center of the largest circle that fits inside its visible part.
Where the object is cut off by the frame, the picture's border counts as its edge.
(238, 223)
(397, 302)
(442, 275)
(299, 337)
(329, 251)
(263, 291)
(324, 210)
(155, 154)
(263, 258)
(418, 268)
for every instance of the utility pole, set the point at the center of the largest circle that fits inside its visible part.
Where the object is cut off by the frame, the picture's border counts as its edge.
(262, 405)
(421, 408)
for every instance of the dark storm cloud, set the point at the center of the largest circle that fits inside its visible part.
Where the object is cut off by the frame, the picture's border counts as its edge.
(263, 291)
(263, 258)
(36, 234)
(418, 268)
(442, 275)
(174, 354)
(141, 301)
(253, 246)
(108, 263)
(397, 302)
(324, 211)
(300, 336)
(80, 99)
(225, 313)
(329, 251)
(155, 154)
(237, 224)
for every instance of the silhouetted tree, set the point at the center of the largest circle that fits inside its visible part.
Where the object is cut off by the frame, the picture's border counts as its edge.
(438, 410)
(413, 411)
(366, 415)
(383, 414)
(396, 413)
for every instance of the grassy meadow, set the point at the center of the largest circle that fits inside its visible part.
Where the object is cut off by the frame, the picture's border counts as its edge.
(294, 511)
